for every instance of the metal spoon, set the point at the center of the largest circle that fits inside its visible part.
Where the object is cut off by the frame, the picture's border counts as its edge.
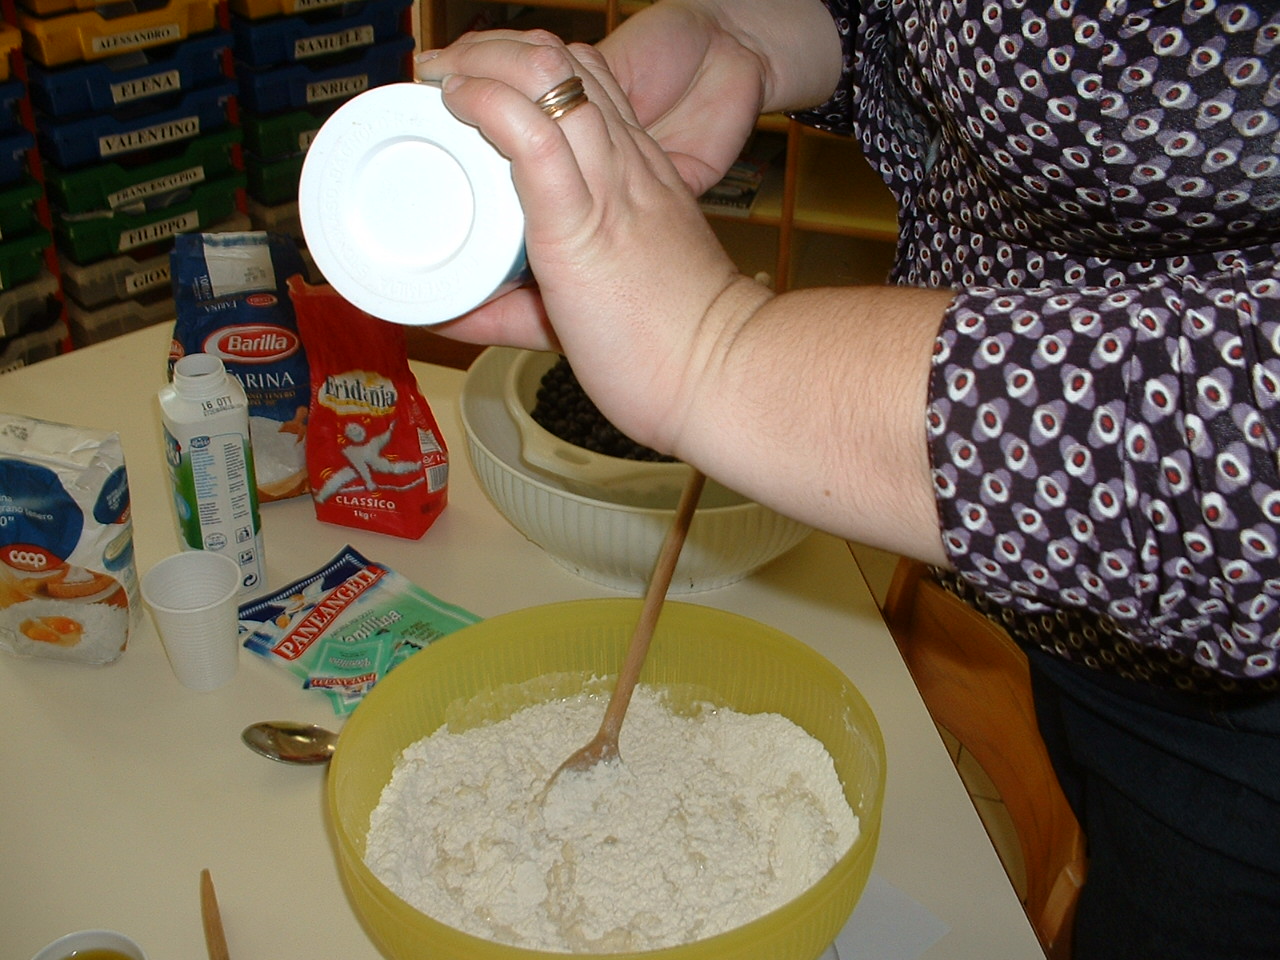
(290, 742)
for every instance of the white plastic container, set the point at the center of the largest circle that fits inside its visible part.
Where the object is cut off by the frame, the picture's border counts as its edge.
(410, 213)
(206, 423)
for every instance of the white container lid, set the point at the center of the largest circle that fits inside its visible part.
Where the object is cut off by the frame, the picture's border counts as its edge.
(409, 213)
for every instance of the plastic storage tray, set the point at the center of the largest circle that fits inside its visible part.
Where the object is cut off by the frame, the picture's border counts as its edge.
(15, 149)
(29, 348)
(10, 40)
(276, 218)
(96, 137)
(88, 35)
(21, 260)
(30, 306)
(125, 277)
(258, 9)
(113, 186)
(86, 241)
(282, 135)
(46, 8)
(330, 32)
(11, 94)
(277, 89)
(20, 209)
(95, 325)
(274, 181)
(140, 77)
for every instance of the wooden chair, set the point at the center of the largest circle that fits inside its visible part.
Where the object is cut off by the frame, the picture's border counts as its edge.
(975, 682)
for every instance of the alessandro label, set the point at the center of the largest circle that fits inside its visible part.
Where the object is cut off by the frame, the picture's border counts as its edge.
(324, 90)
(361, 36)
(136, 39)
(153, 232)
(142, 87)
(167, 132)
(149, 188)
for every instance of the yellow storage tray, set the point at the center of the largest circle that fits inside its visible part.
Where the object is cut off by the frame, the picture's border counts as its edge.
(10, 40)
(87, 35)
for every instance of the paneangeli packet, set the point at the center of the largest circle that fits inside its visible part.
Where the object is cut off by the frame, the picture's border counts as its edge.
(342, 628)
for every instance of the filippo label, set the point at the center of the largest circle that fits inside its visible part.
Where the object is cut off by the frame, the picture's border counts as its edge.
(161, 230)
(253, 343)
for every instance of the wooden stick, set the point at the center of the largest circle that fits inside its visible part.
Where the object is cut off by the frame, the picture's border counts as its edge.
(214, 938)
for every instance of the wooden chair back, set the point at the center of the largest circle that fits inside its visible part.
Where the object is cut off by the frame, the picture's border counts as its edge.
(975, 682)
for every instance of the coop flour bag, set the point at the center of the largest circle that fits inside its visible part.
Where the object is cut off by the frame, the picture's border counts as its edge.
(375, 456)
(68, 585)
(231, 298)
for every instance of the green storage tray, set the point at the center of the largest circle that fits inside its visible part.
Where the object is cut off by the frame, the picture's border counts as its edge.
(279, 135)
(115, 186)
(275, 181)
(20, 209)
(22, 260)
(97, 238)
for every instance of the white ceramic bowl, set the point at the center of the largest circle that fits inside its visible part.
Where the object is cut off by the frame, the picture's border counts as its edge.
(604, 541)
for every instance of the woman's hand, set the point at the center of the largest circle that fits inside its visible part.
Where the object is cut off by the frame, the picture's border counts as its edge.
(627, 267)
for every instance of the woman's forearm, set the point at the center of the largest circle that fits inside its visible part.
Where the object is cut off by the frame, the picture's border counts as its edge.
(815, 401)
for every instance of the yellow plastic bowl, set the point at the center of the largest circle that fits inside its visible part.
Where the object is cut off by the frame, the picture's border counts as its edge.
(700, 653)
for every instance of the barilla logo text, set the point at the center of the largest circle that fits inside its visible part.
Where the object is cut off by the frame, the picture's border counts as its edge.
(358, 392)
(253, 343)
(312, 625)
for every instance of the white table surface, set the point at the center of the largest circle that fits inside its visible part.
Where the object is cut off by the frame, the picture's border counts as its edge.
(117, 784)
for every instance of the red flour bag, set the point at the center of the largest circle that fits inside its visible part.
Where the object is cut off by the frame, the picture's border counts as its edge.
(375, 456)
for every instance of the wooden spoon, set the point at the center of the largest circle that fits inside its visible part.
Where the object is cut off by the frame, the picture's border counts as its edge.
(604, 746)
(214, 938)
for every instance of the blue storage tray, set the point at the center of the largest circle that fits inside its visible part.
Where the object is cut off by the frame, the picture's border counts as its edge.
(11, 95)
(141, 77)
(95, 137)
(14, 150)
(273, 89)
(341, 30)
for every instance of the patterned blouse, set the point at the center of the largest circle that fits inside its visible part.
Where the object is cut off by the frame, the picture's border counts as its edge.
(1100, 183)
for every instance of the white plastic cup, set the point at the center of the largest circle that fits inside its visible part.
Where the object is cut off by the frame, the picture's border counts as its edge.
(84, 940)
(192, 596)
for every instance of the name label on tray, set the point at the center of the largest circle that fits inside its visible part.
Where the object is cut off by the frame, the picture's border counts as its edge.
(163, 230)
(141, 280)
(324, 90)
(148, 188)
(361, 36)
(140, 87)
(136, 39)
(168, 132)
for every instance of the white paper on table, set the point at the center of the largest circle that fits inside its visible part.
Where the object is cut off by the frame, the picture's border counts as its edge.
(887, 925)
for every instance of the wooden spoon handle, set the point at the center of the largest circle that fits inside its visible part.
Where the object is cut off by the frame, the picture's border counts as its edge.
(214, 938)
(654, 596)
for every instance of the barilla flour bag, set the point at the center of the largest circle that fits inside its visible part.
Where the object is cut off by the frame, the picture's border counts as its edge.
(375, 456)
(68, 586)
(232, 301)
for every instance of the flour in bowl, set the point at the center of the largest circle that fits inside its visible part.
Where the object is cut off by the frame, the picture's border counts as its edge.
(708, 822)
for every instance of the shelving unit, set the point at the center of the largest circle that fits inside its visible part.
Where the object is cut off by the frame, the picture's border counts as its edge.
(823, 218)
